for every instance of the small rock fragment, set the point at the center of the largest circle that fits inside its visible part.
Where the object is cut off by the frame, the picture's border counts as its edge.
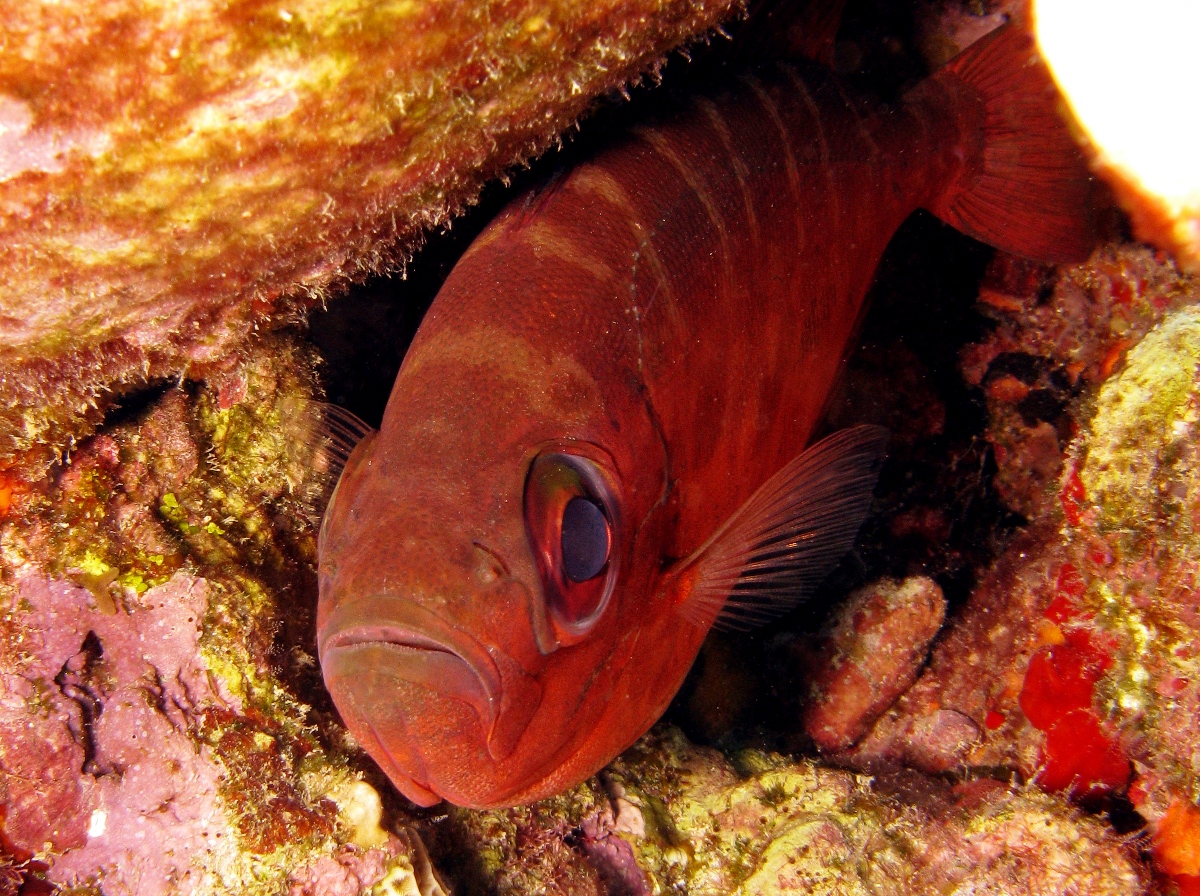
(872, 655)
(940, 741)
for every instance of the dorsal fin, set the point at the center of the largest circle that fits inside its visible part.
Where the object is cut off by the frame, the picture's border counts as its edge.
(814, 34)
(781, 29)
(788, 536)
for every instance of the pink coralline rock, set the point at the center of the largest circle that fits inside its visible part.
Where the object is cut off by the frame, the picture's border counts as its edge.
(174, 175)
(348, 873)
(400, 865)
(116, 693)
(156, 609)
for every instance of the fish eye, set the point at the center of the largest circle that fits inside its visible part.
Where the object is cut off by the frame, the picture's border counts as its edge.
(569, 519)
(585, 539)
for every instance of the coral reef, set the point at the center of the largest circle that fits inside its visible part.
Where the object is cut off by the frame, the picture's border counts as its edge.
(672, 817)
(171, 177)
(164, 725)
(155, 741)
(1072, 662)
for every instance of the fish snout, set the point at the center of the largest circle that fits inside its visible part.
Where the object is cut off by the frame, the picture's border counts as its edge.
(424, 698)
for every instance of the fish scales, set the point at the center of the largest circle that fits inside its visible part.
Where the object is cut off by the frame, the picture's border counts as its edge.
(725, 172)
(598, 443)
(710, 217)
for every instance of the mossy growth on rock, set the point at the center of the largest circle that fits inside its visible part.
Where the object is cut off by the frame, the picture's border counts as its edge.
(671, 817)
(156, 654)
(1140, 461)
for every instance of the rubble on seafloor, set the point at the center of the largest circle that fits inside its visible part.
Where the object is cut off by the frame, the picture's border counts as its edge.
(672, 817)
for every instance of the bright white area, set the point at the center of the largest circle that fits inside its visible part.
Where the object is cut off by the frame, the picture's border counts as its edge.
(1131, 71)
(98, 823)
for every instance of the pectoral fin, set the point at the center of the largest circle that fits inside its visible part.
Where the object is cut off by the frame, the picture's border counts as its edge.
(321, 438)
(788, 536)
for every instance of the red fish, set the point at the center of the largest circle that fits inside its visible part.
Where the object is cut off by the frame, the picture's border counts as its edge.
(598, 443)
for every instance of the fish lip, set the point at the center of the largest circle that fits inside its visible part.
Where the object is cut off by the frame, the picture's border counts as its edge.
(401, 625)
(405, 637)
(503, 694)
(388, 634)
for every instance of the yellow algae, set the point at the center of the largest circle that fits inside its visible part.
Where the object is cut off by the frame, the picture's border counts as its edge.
(1143, 419)
(360, 810)
(776, 869)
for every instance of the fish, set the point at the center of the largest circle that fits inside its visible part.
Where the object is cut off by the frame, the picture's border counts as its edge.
(600, 443)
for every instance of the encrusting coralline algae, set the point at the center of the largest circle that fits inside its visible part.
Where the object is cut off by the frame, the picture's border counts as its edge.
(1074, 657)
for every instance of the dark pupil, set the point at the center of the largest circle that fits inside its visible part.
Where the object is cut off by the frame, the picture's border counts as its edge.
(584, 539)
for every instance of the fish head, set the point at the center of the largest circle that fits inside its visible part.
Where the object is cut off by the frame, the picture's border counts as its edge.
(488, 624)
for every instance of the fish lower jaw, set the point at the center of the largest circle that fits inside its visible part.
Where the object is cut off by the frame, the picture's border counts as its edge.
(392, 687)
(408, 786)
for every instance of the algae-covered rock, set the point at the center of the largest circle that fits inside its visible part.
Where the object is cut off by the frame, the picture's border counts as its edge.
(877, 645)
(1074, 658)
(672, 817)
(173, 175)
(156, 658)
(1138, 464)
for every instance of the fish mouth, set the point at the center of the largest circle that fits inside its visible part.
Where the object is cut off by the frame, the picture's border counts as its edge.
(373, 650)
(402, 640)
(463, 671)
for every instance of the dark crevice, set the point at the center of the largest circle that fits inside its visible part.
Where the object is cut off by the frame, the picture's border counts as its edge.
(76, 682)
(131, 406)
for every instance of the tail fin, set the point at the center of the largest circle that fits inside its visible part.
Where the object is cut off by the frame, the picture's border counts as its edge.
(1034, 194)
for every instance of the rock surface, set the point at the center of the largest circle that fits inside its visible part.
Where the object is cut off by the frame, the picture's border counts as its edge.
(671, 817)
(1073, 661)
(878, 643)
(173, 176)
(155, 638)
